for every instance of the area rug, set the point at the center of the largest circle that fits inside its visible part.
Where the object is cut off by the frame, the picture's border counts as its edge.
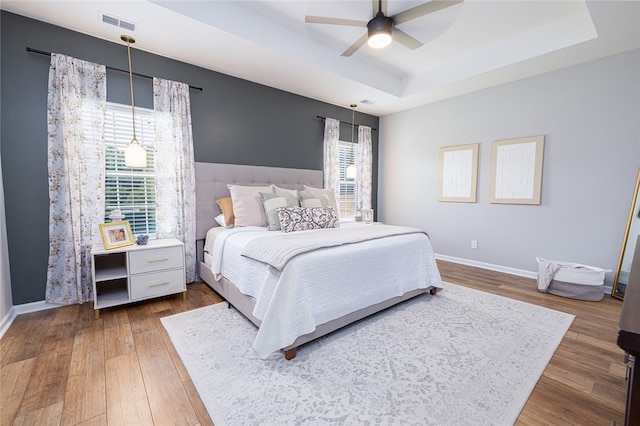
(461, 357)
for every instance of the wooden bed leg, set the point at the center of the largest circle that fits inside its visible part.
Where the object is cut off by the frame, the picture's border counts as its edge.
(290, 354)
(433, 291)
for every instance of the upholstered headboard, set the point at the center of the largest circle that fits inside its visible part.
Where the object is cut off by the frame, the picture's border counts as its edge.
(212, 180)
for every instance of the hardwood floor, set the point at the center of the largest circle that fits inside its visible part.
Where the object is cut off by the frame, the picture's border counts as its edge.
(63, 367)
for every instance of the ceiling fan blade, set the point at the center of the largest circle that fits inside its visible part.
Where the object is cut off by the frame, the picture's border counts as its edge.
(334, 21)
(405, 39)
(355, 46)
(423, 9)
(377, 5)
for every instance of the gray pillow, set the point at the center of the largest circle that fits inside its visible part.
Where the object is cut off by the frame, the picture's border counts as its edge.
(313, 200)
(272, 202)
(326, 192)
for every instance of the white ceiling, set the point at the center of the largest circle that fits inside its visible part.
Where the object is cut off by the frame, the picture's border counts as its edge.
(467, 47)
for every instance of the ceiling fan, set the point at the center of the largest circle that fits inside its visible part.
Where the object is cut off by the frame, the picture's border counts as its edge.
(382, 29)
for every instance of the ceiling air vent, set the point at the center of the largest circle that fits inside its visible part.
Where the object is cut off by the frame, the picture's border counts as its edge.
(367, 102)
(112, 20)
(127, 25)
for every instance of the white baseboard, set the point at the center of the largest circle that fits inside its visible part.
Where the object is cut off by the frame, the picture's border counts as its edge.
(489, 266)
(25, 308)
(498, 268)
(41, 306)
(6, 322)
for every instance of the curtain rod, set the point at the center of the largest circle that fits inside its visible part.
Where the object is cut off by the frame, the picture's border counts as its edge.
(42, 52)
(346, 122)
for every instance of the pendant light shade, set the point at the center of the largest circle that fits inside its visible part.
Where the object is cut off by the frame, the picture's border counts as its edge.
(352, 171)
(134, 154)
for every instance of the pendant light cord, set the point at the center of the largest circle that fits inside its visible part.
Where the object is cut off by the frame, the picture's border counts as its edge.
(353, 116)
(353, 120)
(133, 111)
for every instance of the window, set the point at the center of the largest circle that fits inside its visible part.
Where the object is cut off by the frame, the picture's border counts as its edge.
(348, 187)
(130, 190)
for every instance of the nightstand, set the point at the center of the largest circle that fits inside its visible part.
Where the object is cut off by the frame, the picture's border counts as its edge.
(133, 273)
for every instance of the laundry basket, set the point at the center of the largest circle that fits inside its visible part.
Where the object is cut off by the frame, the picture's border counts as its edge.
(572, 280)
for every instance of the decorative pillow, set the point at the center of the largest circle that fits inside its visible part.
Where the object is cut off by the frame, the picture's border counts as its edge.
(271, 204)
(220, 220)
(303, 218)
(247, 204)
(226, 207)
(327, 192)
(279, 190)
(311, 200)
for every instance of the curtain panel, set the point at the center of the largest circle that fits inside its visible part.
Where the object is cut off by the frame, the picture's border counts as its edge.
(364, 164)
(175, 180)
(76, 106)
(332, 156)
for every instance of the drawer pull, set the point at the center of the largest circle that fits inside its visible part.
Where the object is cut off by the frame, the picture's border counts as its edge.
(164, 259)
(159, 284)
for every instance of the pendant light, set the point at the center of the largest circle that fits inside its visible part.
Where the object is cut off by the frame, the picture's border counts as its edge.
(134, 154)
(352, 172)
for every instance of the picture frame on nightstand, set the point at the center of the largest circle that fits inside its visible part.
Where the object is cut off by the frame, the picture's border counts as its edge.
(367, 215)
(116, 234)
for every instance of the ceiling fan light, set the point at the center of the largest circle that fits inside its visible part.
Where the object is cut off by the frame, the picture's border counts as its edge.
(379, 29)
(378, 41)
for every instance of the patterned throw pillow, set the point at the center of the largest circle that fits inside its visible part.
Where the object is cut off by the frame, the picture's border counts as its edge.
(303, 218)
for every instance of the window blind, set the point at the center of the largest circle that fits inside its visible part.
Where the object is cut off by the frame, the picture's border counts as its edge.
(348, 193)
(128, 189)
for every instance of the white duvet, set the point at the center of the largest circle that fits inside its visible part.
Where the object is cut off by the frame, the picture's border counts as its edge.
(319, 286)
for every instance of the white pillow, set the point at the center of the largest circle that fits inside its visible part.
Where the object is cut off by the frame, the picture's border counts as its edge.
(329, 193)
(247, 204)
(220, 220)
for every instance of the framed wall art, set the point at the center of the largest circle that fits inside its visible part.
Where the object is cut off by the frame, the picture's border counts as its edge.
(458, 175)
(516, 170)
(116, 234)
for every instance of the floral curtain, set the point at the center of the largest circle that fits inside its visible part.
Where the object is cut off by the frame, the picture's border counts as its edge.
(364, 164)
(332, 155)
(76, 107)
(175, 174)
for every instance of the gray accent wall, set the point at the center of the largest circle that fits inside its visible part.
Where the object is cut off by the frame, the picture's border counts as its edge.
(590, 116)
(234, 122)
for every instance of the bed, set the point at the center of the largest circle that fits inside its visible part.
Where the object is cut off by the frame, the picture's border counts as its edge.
(307, 292)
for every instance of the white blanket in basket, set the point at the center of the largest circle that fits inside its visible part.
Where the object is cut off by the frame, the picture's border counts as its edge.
(568, 272)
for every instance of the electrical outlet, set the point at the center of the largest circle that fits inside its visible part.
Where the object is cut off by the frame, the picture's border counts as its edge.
(474, 244)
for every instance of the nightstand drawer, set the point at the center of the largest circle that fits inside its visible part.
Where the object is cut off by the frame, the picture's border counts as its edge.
(157, 284)
(155, 259)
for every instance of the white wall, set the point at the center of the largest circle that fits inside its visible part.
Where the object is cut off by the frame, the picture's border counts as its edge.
(6, 302)
(590, 115)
